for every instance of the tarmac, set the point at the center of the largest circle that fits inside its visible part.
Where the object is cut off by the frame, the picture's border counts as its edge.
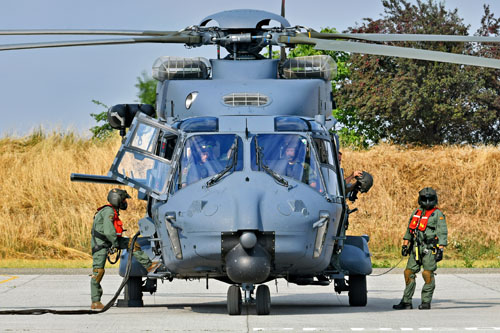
(464, 300)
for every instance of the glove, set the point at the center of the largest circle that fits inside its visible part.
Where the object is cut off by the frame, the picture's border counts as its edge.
(439, 255)
(404, 250)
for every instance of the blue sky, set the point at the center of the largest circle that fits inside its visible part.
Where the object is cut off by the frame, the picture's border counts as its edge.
(54, 88)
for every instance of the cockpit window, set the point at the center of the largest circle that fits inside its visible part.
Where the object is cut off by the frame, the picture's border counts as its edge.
(198, 124)
(208, 155)
(324, 150)
(291, 124)
(289, 155)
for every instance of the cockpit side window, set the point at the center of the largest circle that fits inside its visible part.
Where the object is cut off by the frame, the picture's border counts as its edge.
(289, 155)
(324, 150)
(327, 163)
(206, 155)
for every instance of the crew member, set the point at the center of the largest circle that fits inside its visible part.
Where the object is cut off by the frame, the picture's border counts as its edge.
(349, 186)
(201, 165)
(424, 240)
(297, 165)
(107, 232)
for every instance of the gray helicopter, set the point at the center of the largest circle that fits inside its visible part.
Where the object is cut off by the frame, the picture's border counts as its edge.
(237, 160)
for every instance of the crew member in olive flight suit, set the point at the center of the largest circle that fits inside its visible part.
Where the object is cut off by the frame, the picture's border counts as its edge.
(424, 240)
(107, 233)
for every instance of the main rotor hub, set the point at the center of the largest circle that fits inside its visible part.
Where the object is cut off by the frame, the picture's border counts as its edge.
(244, 32)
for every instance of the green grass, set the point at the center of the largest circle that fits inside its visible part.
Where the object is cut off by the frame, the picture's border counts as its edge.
(48, 263)
(446, 263)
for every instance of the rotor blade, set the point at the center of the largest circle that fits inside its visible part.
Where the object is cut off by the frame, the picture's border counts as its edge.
(393, 51)
(169, 39)
(282, 49)
(88, 32)
(404, 37)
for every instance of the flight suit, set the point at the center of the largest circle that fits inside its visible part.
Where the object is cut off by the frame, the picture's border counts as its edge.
(424, 244)
(103, 223)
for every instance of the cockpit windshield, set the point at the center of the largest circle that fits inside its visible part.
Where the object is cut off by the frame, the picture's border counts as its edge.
(208, 155)
(288, 155)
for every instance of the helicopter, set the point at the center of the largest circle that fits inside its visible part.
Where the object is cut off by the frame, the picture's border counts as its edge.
(237, 160)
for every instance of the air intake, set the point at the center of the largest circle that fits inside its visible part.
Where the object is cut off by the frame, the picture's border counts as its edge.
(246, 99)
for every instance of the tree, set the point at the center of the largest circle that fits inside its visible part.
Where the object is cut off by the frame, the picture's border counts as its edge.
(415, 101)
(147, 89)
(352, 131)
(487, 98)
(146, 94)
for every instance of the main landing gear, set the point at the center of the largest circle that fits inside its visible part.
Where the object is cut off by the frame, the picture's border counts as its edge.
(262, 301)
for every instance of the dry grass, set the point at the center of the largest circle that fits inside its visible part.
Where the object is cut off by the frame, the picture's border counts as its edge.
(467, 181)
(44, 215)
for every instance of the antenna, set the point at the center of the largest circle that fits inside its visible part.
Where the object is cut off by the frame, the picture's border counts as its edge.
(282, 49)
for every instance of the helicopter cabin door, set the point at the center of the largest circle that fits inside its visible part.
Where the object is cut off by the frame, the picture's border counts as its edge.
(145, 160)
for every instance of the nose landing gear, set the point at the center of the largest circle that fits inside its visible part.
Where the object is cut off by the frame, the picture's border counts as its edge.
(262, 301)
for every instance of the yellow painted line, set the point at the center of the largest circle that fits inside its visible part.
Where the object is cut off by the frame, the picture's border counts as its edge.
(9, 279)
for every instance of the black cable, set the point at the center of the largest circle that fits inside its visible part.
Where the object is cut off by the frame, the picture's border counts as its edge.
(389, 269)
(73, 312)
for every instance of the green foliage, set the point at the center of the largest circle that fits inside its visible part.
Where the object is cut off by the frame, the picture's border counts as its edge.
(104, 131)
(147, 89)
(352, 132)
(146, 94)
(422, 102)
(472, 251)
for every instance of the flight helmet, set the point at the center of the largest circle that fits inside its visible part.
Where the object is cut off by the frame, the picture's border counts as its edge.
(365, 182)
(116, 197)
(427, 198)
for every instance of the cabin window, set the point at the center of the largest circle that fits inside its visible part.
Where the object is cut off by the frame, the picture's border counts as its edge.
(289, 155)
(144, 160)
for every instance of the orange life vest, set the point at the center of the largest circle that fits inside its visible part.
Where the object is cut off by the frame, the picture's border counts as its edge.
(420, 221)
(118, 224)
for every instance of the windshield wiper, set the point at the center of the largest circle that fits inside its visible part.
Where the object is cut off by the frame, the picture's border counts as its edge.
(231, 164)
(258, 155)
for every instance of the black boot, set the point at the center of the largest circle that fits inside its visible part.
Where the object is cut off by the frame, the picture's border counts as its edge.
(402, 306)
(424, 306)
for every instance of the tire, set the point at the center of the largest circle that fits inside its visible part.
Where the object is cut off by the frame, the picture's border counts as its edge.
(234, 301)
(357, 290)
(263, 300)
(133, 291)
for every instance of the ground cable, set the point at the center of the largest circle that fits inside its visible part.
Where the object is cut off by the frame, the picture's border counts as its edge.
(73, 312)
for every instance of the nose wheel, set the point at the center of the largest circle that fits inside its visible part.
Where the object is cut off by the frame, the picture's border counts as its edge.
(262, 300)
(234, 300)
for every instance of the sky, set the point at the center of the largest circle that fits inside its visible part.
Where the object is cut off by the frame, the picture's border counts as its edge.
(54, 88)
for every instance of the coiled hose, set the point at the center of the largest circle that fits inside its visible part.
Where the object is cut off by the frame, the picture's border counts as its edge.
(73, 312)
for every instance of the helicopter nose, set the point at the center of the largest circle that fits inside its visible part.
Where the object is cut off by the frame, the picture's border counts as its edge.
(248, 266)
(248, 240)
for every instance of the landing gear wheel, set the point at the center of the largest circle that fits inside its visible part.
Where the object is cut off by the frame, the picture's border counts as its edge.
(234, 300)
(133, 293)
(357, 290)
(263, 300)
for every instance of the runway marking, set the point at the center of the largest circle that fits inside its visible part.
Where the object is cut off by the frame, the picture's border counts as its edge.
(357, 329)
(11, 277)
